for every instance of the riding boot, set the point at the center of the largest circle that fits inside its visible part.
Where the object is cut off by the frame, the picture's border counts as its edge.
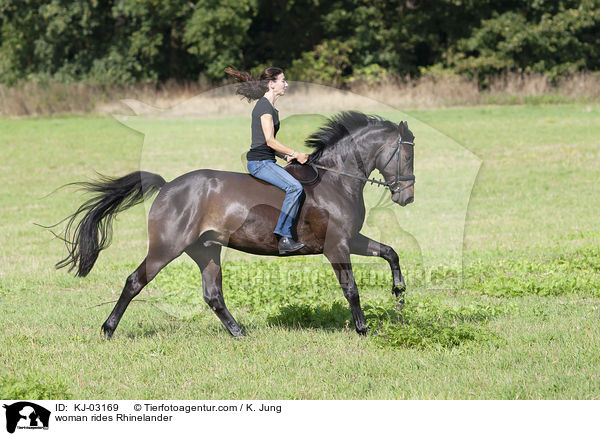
(288, 245)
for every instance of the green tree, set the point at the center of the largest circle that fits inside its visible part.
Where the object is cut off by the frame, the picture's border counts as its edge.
(216, 33)
(532, 41)
(284, 29)
(45, 38)
(106, 41)
(123, 41)
(325, 64)
(149, 39)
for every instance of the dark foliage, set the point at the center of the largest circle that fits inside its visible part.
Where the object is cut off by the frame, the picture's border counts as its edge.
(129, 41)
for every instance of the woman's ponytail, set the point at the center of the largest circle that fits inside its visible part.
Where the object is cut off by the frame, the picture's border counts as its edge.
(240, 76)
(252, 88)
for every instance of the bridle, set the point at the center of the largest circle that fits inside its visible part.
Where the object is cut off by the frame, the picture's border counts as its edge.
(397, 179)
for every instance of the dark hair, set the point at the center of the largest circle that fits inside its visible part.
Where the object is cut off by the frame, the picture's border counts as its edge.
(254, 88)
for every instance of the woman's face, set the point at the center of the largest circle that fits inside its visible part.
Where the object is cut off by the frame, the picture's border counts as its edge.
(279, 85)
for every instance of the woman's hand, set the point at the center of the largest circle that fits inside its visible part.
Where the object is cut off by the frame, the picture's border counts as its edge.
(300, 157)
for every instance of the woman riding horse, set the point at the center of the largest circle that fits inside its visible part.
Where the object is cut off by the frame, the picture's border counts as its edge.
(200, 212)
(261, 158)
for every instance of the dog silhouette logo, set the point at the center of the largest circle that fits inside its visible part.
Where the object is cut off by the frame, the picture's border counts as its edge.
(26, 415)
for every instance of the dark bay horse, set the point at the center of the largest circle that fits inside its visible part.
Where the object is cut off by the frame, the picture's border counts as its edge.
(202, 211)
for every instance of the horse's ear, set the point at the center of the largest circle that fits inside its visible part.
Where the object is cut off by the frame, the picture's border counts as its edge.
(401, 125)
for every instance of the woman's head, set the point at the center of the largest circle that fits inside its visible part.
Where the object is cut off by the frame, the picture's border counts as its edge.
(253, 89)
(270, 73)
(276, 82)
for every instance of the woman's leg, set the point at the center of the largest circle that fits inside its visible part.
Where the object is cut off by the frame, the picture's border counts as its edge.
(272, 173)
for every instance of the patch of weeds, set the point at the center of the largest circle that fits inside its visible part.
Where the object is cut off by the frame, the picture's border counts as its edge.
(262, 287)
(307, 295)
(289, 293)
(424, 335)
(32, 387)
(427, 322)
(573, 273)
(259, 284)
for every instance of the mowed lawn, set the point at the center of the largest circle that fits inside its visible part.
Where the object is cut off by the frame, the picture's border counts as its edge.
(522, 323)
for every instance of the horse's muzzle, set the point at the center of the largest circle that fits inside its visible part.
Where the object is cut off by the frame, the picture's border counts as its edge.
(403, 197)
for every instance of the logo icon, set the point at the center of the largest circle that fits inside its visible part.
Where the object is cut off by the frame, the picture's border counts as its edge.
(26, 415)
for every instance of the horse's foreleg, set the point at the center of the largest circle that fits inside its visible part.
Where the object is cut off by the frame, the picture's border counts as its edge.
(364, 246)
(340, 260)
(209, 262)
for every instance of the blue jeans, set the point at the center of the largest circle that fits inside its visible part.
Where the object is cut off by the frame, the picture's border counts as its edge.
(272, 173)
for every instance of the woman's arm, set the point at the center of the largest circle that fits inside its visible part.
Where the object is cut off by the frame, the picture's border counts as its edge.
(266, 121)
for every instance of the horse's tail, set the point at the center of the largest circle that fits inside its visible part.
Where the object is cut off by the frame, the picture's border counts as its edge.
(86, 237)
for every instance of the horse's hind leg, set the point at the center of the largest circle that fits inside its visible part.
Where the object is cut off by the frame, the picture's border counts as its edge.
(209, 262)
(364, 246)
(133, 286)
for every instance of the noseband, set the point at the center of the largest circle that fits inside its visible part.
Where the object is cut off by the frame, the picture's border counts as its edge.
(398, 178)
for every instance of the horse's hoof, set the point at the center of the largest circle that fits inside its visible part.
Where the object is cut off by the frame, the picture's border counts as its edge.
(106, 332)
(362, 331)
(238, 333)
(398, 291)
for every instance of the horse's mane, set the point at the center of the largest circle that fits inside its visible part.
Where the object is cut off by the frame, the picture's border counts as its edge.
(340, 126)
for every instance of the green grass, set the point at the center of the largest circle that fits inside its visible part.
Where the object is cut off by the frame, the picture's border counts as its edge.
(522, 323)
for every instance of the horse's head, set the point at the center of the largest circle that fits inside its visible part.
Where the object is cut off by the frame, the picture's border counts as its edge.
(356, 134)
(395, 162)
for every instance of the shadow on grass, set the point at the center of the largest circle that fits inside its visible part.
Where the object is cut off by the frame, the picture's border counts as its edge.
(301, 316)
(189, 326)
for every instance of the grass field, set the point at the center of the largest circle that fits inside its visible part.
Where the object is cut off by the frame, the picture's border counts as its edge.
(523, 322)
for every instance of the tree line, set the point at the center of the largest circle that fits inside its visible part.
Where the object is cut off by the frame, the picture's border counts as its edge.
(130, 41)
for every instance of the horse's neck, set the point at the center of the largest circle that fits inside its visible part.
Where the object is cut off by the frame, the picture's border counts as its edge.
(355, 161)
(344, 175)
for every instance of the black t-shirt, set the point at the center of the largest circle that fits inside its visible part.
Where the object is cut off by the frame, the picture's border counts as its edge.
(259, 150)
